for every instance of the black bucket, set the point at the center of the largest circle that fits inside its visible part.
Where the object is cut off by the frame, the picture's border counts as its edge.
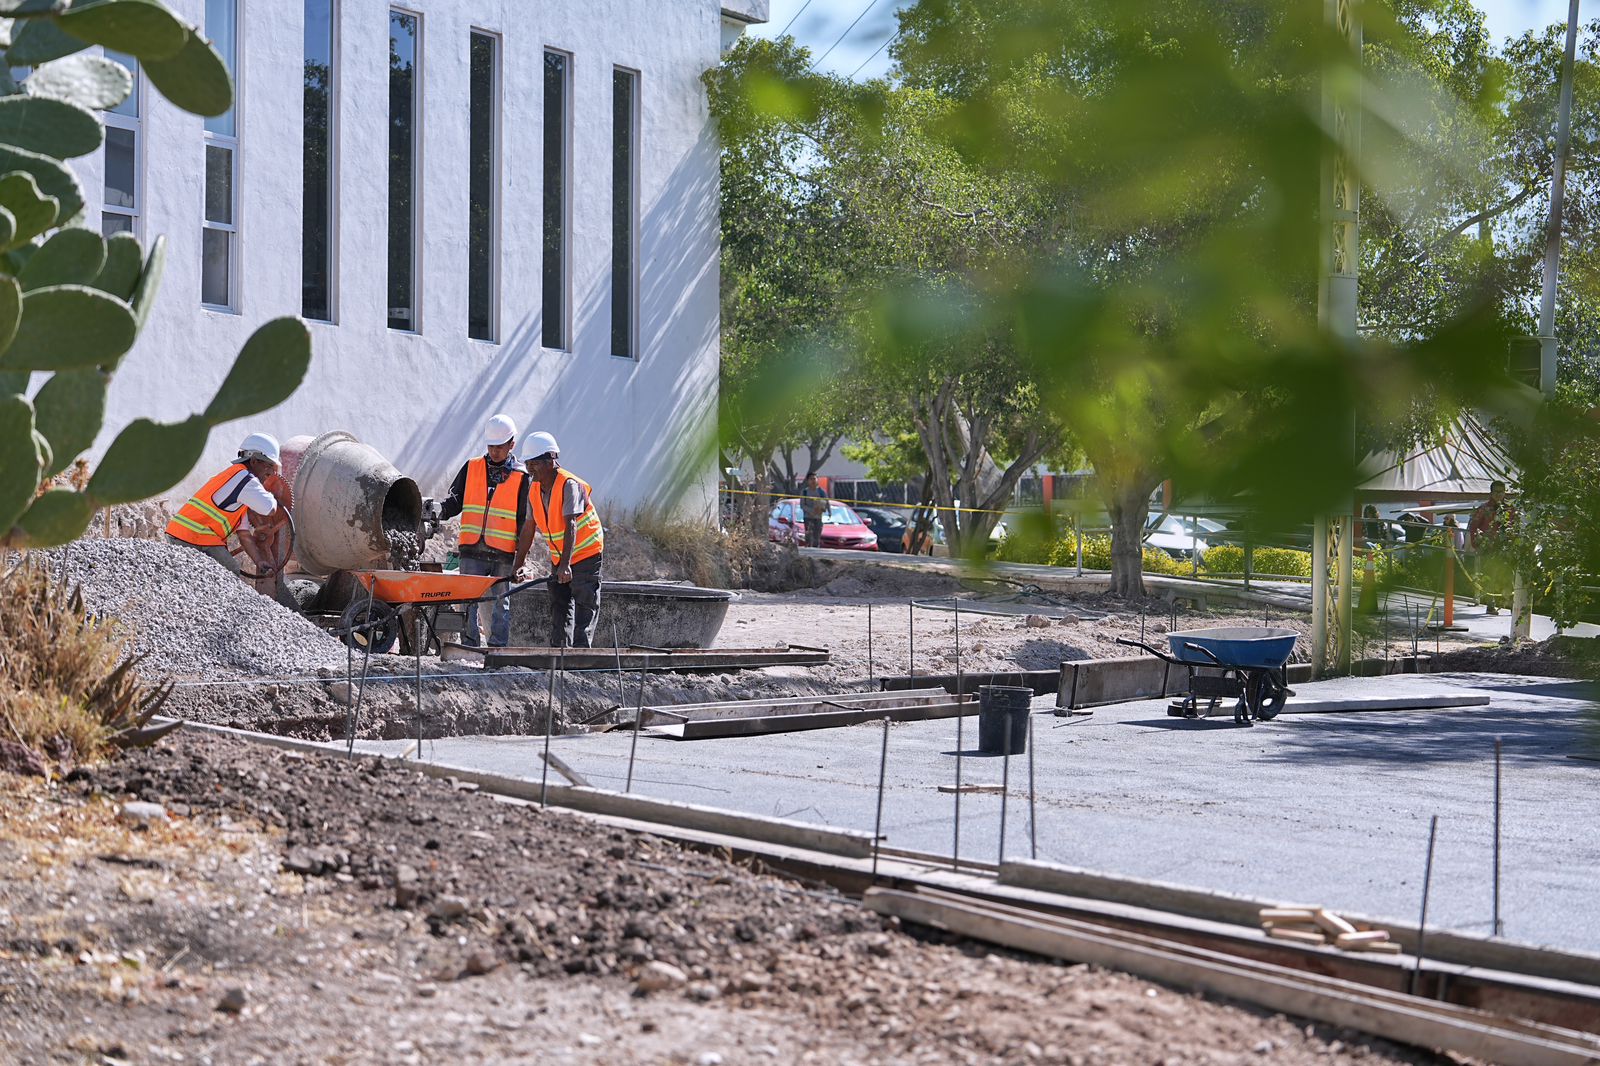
(1003, 717)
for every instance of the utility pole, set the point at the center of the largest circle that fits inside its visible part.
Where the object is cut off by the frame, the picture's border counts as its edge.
(1337, 296)
(1521, 620)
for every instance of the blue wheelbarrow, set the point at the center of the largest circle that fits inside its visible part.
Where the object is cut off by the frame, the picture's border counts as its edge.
(1248, 664)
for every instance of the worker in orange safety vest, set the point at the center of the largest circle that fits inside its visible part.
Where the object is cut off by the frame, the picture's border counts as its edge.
(490, 493)
(224, 503)
(563, 513)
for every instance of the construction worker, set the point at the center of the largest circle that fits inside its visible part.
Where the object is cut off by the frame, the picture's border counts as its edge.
(563, 512)
(217, 510)
(491, 496)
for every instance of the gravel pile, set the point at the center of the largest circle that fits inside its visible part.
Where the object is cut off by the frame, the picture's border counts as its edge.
(189, 616)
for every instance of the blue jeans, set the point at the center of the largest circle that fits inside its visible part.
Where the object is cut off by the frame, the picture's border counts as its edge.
(500, 625)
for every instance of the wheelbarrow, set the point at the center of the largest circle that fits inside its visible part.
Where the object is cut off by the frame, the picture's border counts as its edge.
(1253, 665)
(394, 597)
(395, 600)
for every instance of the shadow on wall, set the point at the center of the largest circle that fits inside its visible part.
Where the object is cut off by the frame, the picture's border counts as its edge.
(667, 442)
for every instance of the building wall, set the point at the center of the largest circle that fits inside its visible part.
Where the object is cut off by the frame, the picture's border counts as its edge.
(640, 430)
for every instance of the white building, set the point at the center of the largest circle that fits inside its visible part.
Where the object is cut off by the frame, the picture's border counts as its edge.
(478, 205)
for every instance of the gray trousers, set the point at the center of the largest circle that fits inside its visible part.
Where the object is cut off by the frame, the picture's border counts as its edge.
(219, 552)
(575, 606)
(500, 619)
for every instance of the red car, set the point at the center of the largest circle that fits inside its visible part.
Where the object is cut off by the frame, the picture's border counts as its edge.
(841, 527)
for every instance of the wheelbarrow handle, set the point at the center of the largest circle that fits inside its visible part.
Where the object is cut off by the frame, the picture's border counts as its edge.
(514, 589)
(1203, 650)
(1163, 656)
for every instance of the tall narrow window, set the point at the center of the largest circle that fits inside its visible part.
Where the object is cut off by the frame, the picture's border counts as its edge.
(557, 83)
(624, 167)
(482, 183)
(122, 204)
(405, 88)
(220, 230)
(316, 204)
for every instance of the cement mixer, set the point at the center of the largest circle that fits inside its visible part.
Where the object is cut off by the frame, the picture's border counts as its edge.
(352, 508)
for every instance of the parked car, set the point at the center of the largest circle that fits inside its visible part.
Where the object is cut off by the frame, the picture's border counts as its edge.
(1175, 536)
(841, 527)
(888, 524)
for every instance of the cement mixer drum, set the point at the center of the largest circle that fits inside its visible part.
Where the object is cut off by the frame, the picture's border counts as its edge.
(346, 498)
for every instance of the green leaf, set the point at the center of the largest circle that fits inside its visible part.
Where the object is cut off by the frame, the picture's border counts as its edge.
(194, 79)
(94, 82)
(20, 461)
(67, 327)
(52, 177)
(147, 459)
(32, 210)
(40, 41)
(14, 381)
(8, 227)
(270, 367)
(121, 272)
(144, 293)
(69, 410)
(69, 257)
(48, 127)
(139, 27)
(10, 312)
(59, 516)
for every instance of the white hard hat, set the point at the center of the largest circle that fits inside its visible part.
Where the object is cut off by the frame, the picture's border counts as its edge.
(499, 430)
(260, 445)
(538, 444)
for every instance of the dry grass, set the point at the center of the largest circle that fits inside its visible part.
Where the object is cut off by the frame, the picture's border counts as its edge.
(736, 558)
(67, 689)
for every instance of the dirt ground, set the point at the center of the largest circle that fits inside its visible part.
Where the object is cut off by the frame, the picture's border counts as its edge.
(309, 909)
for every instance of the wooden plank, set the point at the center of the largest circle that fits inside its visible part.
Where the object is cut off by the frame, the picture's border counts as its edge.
(1397, 1017)
(800, 704)
(633, 660)
(1332, 924)
(559, 765)
(1043, 682)
(712, 728)
(1297, 936)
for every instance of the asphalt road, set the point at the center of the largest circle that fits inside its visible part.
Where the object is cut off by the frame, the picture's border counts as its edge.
(1329, 809)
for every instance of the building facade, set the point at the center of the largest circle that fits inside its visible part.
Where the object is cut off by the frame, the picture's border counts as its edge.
(476, 205)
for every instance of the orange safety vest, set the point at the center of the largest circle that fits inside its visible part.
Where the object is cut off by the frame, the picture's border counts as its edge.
(553, 524)
(491, 520)
(206, 521)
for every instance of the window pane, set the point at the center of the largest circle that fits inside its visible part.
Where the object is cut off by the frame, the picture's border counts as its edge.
(480, 191)
(110, 224)
(121, 187)
(216, 245)
(219, 184)
(624, 93)
(222, 27)
(130, 106)
(402, 158)
(316, 221)
(555, 200)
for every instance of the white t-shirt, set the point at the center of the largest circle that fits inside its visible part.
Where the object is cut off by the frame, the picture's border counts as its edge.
(244, 487)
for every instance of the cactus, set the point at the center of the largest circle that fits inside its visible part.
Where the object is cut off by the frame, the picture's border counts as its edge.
(71, 303)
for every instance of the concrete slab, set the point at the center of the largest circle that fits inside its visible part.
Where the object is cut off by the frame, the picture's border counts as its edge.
(1323, 808)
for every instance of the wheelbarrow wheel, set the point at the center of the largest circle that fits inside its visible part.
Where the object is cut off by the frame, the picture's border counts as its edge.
(1266, 695)
(371, 626)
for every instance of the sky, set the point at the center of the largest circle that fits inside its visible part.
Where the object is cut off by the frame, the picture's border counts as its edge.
(822, 23)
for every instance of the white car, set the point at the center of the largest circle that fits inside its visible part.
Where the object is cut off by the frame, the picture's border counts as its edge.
(1176, 536)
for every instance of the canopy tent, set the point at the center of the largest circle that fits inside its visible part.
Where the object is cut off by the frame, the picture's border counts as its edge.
(1460, 466)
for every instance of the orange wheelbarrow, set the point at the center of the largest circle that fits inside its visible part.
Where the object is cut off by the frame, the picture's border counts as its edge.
(374, 623)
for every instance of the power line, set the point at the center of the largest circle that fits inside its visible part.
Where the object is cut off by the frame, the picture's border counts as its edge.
(797, 14)
(870, 5)
(874, 55)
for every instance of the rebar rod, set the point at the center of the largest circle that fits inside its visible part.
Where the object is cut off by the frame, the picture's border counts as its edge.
(1422, 922)
(638, 720)
(877, 822)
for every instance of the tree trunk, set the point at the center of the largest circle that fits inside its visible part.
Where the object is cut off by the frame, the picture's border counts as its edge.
(761, 502)
(1129, 506)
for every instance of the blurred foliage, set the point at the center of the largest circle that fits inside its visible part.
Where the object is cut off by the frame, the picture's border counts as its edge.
(1102, 218)
(1229, 559)
(71, 302)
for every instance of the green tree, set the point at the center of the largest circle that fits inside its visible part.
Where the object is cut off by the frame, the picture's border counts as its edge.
(71, 302)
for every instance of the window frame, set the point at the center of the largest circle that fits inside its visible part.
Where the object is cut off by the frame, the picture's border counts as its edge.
(496, 179)
(416, 177)
(635, 108)
(230, 143)
(568, 84)
(335, 43)
(133, 124)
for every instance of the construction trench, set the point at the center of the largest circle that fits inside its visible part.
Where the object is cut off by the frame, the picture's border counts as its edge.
(832, 732)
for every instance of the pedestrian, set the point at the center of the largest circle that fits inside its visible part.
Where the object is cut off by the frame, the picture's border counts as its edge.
(1487, 530)
(217, 510)
(813, 506)
(563, 513)
(490, 493)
